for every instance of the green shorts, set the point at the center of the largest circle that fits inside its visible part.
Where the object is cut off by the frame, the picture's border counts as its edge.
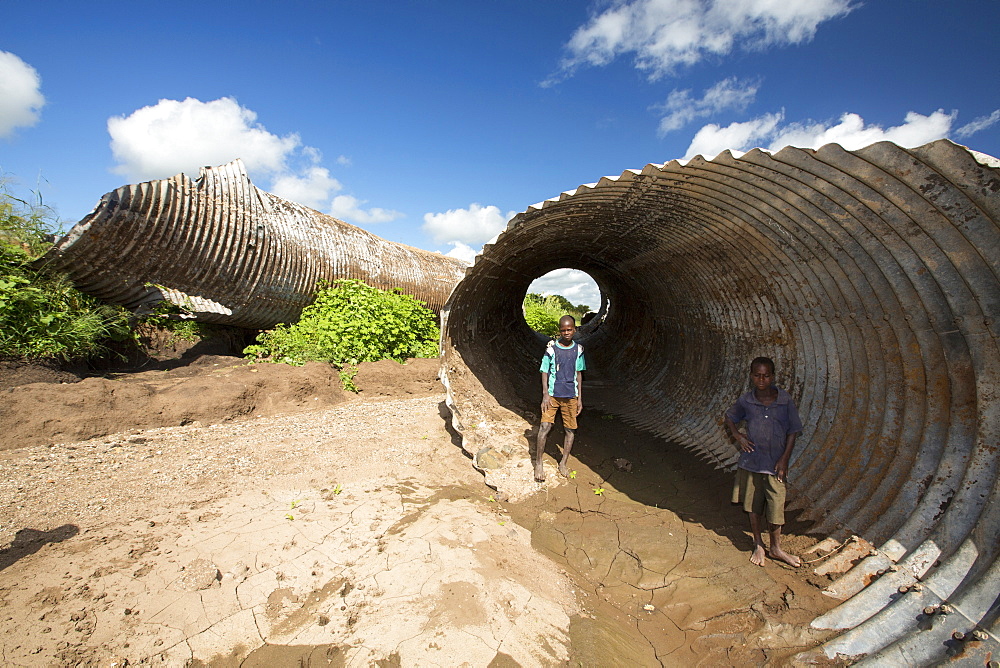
(757, 491)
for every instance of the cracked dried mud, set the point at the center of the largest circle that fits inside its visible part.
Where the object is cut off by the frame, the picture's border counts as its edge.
(310, 527)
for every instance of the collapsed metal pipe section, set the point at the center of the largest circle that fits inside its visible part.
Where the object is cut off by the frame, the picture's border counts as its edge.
(231, 253)
(872, 277)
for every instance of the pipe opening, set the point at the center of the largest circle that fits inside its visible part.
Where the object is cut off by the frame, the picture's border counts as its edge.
(580, 295)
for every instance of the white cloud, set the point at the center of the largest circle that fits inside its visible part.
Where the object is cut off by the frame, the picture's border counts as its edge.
(174, 136)
(851, 132)
(978, 124)
(463, 252)
(349, 208)
(312, 188)
(666, 34)
(344, 160)
(21, 98)
(573, 284)
(712, 139)
(681, 109)
(474, 225)
(171, 136)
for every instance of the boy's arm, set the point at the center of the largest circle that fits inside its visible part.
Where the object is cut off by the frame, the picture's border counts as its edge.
(545, 391)
(781, 468)
(579, 392)
(743, 443)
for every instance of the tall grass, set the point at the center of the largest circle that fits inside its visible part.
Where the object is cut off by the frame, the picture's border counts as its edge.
(41, 313)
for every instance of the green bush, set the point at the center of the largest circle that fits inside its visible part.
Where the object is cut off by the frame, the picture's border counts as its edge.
(42, 314)
(542, 319)
(45, 316)
(542, 313)
(351, 322)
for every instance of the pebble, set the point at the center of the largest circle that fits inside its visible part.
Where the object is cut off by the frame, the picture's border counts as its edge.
(199, 574)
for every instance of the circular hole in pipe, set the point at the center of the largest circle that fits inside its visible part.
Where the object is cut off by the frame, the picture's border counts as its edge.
(578, 293)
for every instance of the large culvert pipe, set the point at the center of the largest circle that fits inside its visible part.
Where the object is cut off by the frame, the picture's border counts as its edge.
(231, 253)
(870, 276)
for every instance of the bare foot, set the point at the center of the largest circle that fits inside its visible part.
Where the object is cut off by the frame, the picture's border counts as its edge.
(539, 473)
(757, 557)
(781, 555)
(563, 471)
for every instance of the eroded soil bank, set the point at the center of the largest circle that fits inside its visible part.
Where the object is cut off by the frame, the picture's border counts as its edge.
(307, 526)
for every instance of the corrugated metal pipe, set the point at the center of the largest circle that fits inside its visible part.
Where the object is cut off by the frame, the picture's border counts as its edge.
(231, 253)
(872, 277)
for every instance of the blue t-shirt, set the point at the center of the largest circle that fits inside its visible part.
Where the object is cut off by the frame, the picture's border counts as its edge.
(767, 429)
(562, 363)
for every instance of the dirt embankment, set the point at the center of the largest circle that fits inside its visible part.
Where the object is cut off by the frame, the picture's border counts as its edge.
(42, 404)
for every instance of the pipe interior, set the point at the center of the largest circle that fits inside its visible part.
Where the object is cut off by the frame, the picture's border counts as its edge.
(870, 277)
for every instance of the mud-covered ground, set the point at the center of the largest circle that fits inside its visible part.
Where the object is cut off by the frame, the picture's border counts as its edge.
(216, 513)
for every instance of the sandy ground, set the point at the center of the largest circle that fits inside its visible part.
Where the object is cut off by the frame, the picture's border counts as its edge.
(228, 515)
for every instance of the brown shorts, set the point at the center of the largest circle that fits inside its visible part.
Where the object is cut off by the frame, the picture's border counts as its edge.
(757, 490)
(564, 405)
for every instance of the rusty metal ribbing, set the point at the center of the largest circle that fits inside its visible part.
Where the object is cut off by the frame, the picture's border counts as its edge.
(872, 277)
(231, 252)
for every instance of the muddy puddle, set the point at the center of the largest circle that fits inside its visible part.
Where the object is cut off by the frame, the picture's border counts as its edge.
(662, 558)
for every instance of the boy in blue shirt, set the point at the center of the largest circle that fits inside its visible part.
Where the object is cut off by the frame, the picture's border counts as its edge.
(765, 450)
(562, 383)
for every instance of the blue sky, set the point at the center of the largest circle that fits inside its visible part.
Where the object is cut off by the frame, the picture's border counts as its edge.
(431, 122)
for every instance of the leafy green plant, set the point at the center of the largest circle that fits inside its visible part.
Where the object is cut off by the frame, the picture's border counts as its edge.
(541, 319)
(45, 316)
(350, 322)
(41, 313)
(542, 312)
(347, 374)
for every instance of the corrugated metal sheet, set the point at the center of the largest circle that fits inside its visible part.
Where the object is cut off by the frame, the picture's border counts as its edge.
(231, 252)
(872, 277)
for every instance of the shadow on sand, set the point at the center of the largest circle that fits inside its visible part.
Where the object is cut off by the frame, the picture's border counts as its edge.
(29, 541)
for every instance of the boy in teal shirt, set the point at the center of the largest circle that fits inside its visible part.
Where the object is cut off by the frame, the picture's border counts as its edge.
(562, 383)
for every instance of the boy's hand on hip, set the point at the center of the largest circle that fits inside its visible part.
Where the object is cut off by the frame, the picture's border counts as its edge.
(744, 443)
